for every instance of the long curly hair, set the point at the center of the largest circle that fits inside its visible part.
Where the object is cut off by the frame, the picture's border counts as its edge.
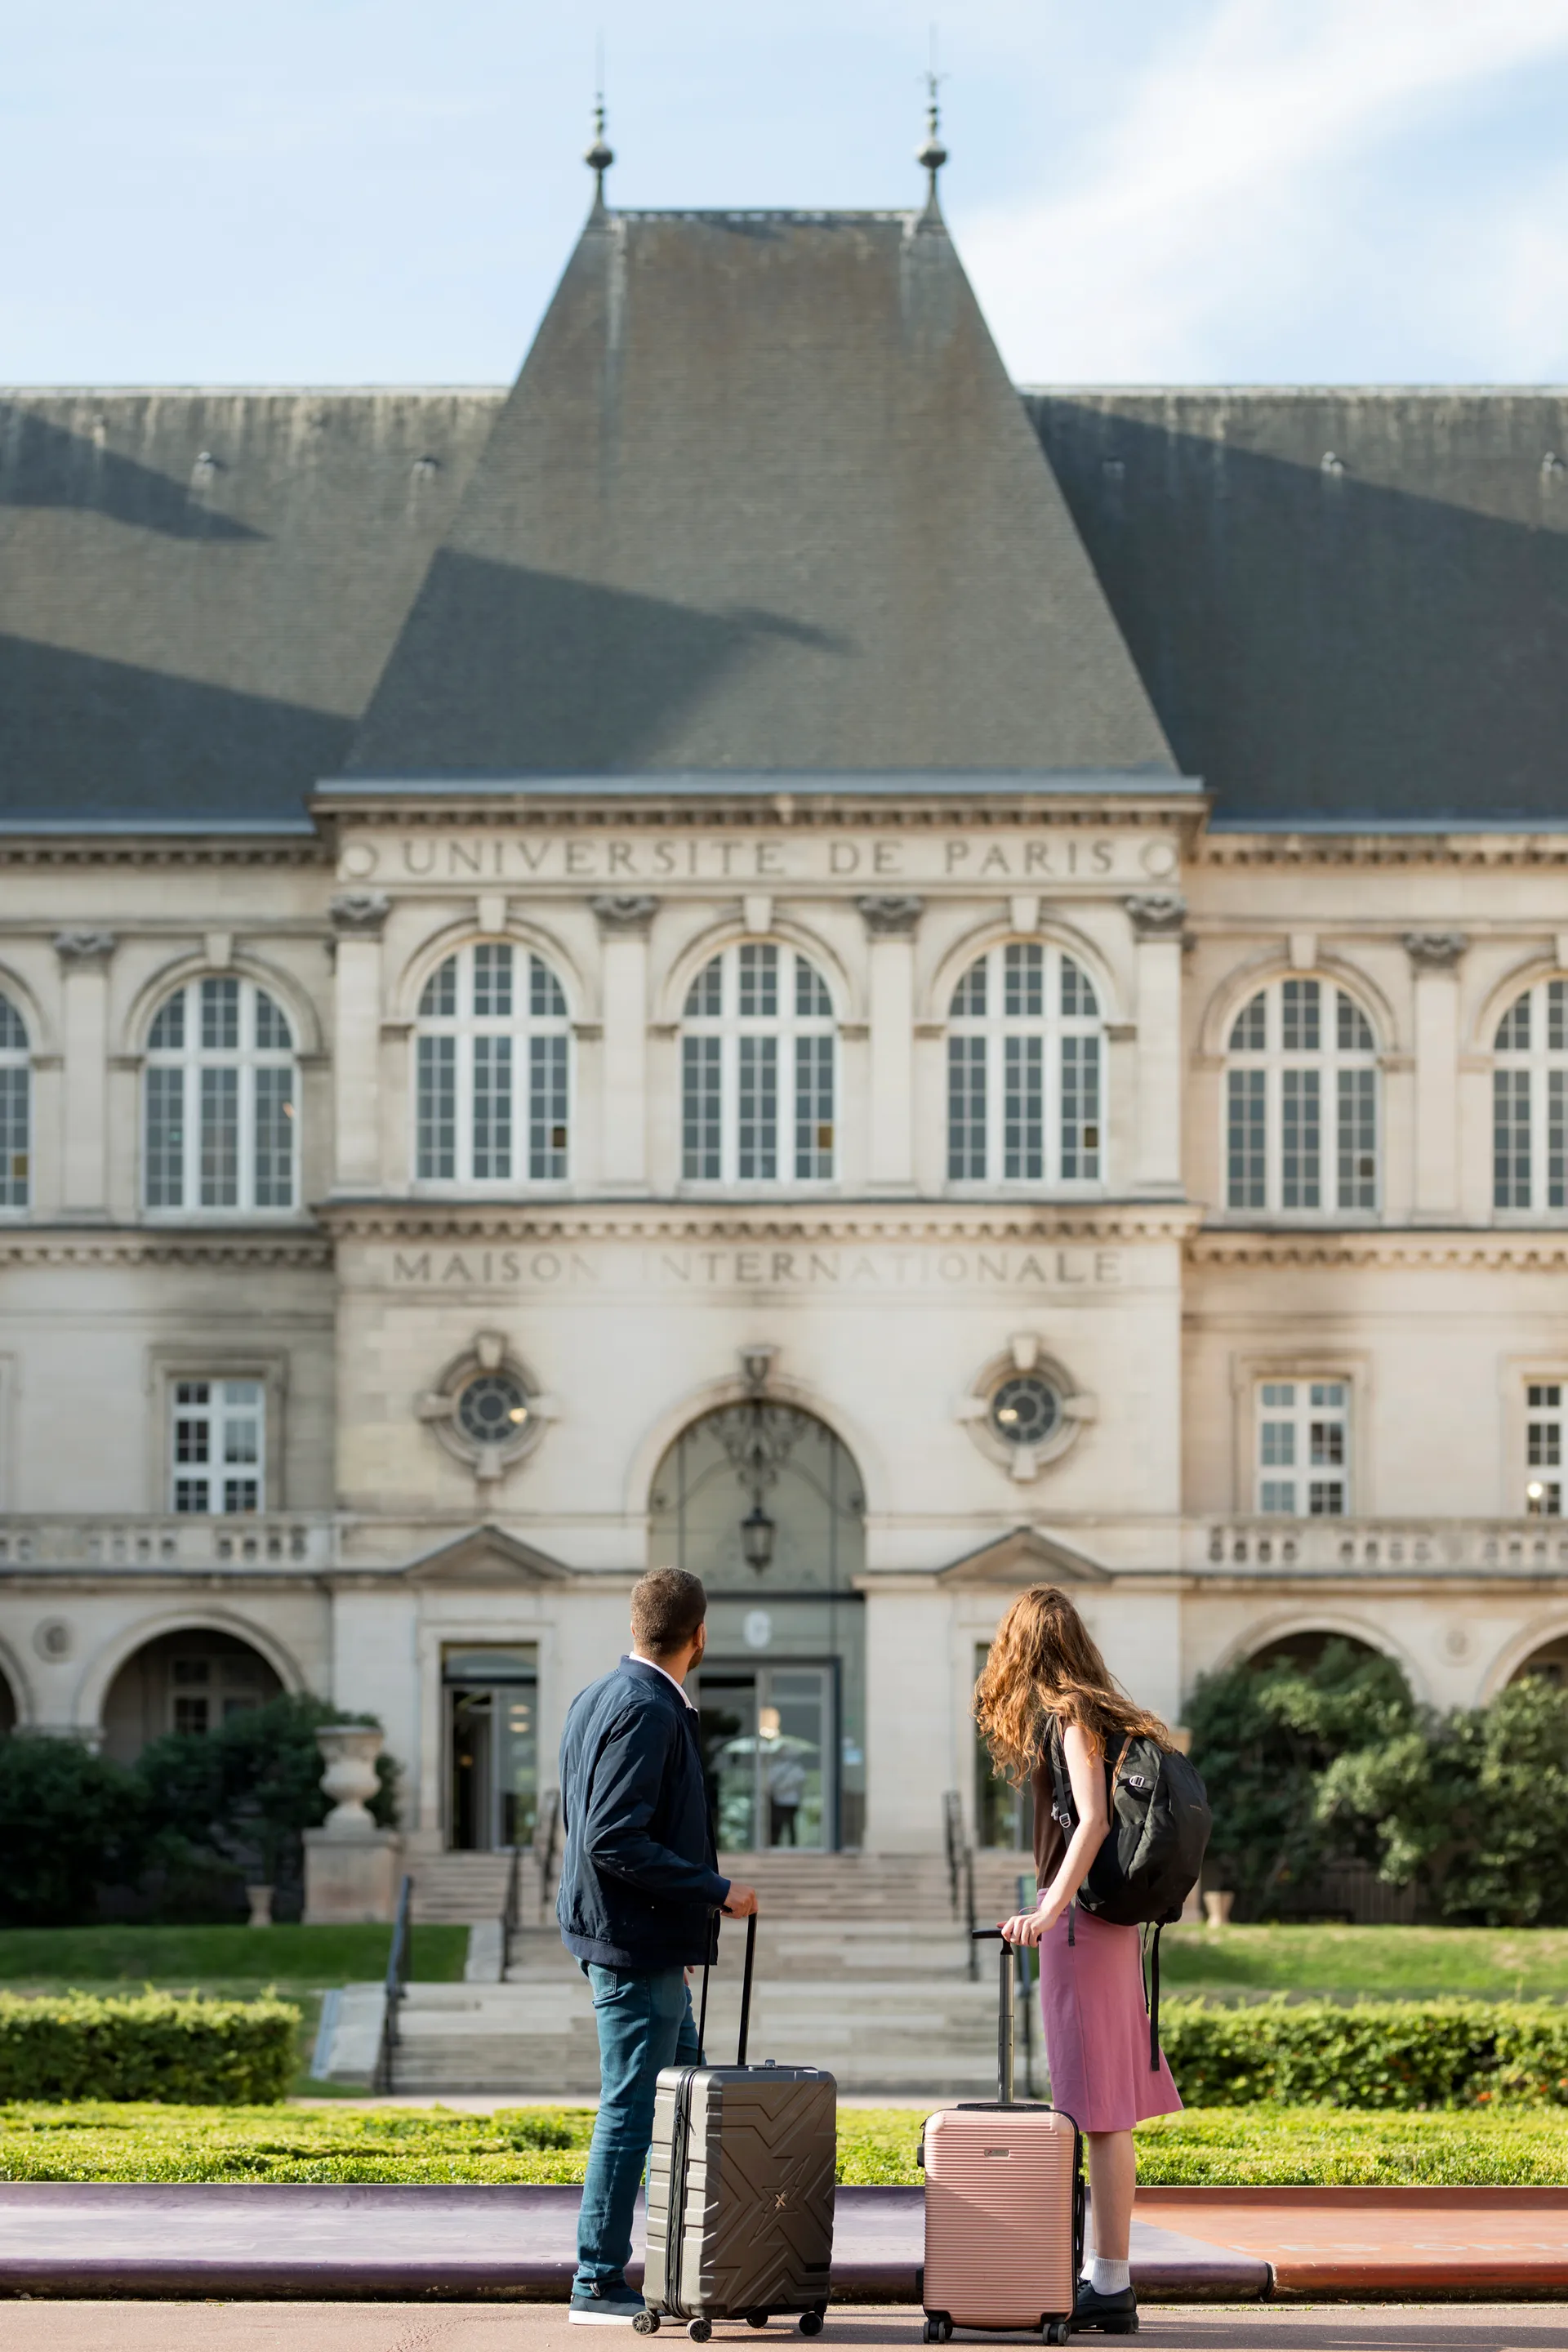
(1043, 1663)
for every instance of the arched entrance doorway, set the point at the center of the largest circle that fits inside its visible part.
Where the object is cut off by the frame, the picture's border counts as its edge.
(1306, 1649)
(1548, 1663)
(193, 1681)
(764, 1504)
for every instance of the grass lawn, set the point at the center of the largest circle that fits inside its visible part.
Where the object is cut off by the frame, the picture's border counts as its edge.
(1375, 1963)
(228, 1963)
(1257, 2145)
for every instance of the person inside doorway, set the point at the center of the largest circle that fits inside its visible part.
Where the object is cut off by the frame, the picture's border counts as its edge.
(639, 1887)
(784, 1778)
(1045, 1682)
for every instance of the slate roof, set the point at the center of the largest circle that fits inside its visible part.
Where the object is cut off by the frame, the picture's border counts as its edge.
(761, 499)
(1349, 606)
(198, 588)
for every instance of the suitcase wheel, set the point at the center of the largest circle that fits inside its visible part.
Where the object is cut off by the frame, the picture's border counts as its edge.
(1056, 2331)
(646, 2323)
(811, 2323)
(756, 2318)
(700, 2330)
(939, 2328)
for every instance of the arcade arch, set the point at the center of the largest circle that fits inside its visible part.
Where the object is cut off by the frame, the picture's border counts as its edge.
(193, 1679)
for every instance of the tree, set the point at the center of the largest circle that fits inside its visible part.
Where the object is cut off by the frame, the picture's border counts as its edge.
(69, 1820)
(1263, 1737)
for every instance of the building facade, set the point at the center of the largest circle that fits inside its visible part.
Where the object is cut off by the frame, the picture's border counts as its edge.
(767, 954)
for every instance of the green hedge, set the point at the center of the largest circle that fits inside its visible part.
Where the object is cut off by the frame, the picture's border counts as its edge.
(150, 2045)
(1393, 2053)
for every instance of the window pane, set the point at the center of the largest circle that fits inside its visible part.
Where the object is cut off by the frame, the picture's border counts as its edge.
(1079, 1000)
(1278, 1494)
(220, 1139)
(1358, 1139)
(1510, 1139)
(966, 1107)
(1024, 1107)
(546, 1000)
(436, 1110)
(1279, 1393)
(812, 1002)
(700, 1143)
(274, 1170)
(1022, 981)
(240, 1495)
(1513, 1029)
(1246, 1165)
(1326, 1498)
(439, 1000)
(492, 1099)
(547, 1135)
(493, 981)
(165, 1138)
(1299, 1137)
(13, 1031)
(1556, 1006)
(813, 1107)
(759, 975)
(1556, 1142)
(1249, 1033)
(757, 1108)
(14, 1142)
(1080, 1107)
(1299, 1001)
(220, 1015)
(969, 996)
(273, 1033)
(1355, 1030)
(167, 1035)
(705, 997)
(1278, 1448)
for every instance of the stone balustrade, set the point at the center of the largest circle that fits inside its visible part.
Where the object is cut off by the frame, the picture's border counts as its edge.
(1472, 1547)
(272, 1539)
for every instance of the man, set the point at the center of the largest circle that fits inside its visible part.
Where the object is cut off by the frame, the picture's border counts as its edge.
(638, 1892)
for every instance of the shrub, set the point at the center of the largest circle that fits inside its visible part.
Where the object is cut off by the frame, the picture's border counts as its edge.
(67, 1820)
(1396, 2054)
(149, 2045)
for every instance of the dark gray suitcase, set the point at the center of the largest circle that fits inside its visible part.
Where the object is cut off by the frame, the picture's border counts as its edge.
(739, 2189)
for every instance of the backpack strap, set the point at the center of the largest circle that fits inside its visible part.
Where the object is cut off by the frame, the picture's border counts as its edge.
(1154, 2000)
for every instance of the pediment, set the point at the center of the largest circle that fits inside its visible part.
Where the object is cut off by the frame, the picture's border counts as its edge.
(1024, 1556)
(486, 1555)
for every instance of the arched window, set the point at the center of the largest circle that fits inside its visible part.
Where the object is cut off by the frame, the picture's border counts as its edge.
(1301, 1101)
(1024, 1087)
(16, 1109)
(220, 1129)
(757, 1082)
(492, 1070)
(1530, 1124)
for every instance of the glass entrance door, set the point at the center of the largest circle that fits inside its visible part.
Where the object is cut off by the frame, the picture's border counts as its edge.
(493, 1781)
(769, 1745)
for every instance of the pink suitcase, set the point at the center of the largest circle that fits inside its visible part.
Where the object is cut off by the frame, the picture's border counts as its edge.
(1004, 2207)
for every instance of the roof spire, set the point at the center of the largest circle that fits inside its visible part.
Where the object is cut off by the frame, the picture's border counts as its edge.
(933, 155)
(601, 154)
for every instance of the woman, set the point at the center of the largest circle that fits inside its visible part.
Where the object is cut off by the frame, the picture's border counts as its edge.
(1044, 1681)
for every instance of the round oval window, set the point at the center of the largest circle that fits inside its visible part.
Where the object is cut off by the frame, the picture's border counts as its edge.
(494, 1409)
(1025, 1410)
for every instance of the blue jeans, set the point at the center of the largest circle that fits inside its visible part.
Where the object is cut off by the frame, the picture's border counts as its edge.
(645, 2023)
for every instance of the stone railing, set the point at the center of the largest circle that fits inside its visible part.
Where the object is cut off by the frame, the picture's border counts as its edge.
(270, 1539)
(1475, 1546)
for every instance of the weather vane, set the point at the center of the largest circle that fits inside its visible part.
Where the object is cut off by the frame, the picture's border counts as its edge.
(933, 155)
(601, 154)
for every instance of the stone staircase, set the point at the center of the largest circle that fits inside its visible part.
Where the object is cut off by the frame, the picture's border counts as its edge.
(461, 1889)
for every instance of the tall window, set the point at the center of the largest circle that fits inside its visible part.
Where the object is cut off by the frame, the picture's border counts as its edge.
(1544, 1421)
(1303, 1448)
(220, 1129)
(757, 1075)
(219, 1428)
(1024, 1077)
(16, 1109)
(1301, 1101)
(492, 1070)
(1530, 1119)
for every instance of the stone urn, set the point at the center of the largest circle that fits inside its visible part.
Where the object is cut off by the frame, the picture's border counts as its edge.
(260, 1901)
(348, 1750)
(1219, 1903)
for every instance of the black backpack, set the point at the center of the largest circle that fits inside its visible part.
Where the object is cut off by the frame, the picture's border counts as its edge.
(1153, 1849)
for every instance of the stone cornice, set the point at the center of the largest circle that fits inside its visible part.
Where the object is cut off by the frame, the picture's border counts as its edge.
(1368, 846)
(1533, 1251)
(905, 1223)
(1116, 807)
(65, 1245)
(90, 848)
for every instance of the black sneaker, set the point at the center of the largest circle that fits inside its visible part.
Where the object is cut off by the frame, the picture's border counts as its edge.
(608, 2303)
(1116, 2314)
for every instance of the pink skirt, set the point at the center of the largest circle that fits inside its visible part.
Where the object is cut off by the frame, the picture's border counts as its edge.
(1097, 2028)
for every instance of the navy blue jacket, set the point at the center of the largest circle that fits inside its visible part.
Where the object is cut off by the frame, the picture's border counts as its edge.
(639, 1888)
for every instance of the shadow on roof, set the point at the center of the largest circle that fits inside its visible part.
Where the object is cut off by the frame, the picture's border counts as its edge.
(42, 464)
(104, 741)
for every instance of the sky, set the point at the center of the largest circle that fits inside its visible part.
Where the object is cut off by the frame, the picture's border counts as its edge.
(1144, 191)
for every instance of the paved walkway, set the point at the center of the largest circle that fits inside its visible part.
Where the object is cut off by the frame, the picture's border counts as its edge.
(494, 2327)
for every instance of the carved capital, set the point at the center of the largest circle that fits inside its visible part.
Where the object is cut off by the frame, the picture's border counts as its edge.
(84, 948)
(624, 917)
(890, 919)
(1435, 950)
(1156, 914)
(360, 914)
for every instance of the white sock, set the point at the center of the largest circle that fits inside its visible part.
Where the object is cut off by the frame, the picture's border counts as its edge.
(1108, 2277)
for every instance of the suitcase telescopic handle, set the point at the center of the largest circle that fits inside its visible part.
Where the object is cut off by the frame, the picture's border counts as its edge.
(1004, 2011)
(746, 1988)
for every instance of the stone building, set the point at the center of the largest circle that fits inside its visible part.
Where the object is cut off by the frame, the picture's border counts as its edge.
(768, 954)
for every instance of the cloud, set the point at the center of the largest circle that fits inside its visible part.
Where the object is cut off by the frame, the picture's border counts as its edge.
(1238, 170)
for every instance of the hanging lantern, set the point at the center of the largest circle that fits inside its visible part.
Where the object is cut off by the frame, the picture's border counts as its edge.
(757, 1538)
